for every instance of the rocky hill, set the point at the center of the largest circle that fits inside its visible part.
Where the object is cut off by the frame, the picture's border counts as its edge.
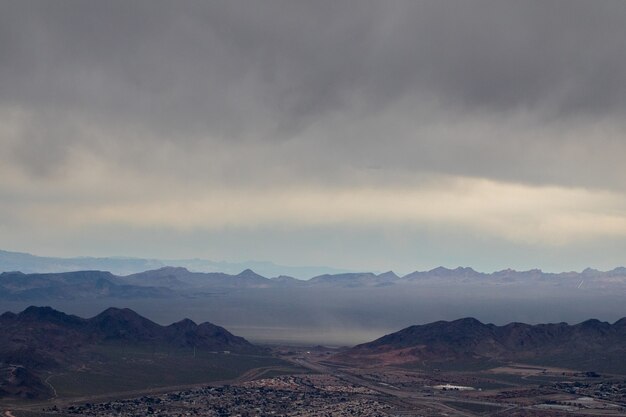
(588, 345)
(43, 338)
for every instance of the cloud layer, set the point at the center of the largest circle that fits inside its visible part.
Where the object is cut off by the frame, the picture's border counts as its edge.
(502, 118)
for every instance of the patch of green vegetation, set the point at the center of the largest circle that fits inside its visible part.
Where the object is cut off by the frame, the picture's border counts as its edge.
(473, 407)
(116, 369)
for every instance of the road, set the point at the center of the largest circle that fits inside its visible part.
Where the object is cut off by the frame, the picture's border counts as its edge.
(401, 397)
(47, 381)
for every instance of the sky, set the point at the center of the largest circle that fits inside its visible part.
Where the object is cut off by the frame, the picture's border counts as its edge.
(364, 135)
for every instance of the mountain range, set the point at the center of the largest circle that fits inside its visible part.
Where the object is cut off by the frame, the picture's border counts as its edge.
(336, 309)
(590, 345)
(27, 263)
(40, 340)
(177, 281)
(200, 273)
(42, 337)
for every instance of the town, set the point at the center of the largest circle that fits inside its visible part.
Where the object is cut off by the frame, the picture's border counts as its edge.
(310, 396)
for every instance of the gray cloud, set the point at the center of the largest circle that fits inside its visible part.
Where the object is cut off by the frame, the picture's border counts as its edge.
(268, 70)
(195, 96)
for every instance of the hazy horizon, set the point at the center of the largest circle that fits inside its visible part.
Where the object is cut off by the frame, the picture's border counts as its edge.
(236, 266)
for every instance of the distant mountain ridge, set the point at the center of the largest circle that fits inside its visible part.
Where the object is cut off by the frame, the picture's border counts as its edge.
(71, 285)
(27, 263)
(178, 281)
(121, 266)
(591, 344)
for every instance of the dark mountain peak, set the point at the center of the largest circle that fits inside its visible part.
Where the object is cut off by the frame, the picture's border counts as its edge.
(214, 335)
(125, 324)
(440, 270)
(346, 276)
(620, 323)
(87, 274)
(287, 280)
(118, 313)
(164, 271)
(320, 277)
(467, 327)
(118, 318)
(208, 325)
(47, 315)
(40, 312)
(284, 278)
(173, 269)
(506, 271)
(594, 324)
(516, 325)
(389, 275)
(249, 273)
(35, 310)
(184, 324)
(467, 321)
(465, 269)
(8, 316)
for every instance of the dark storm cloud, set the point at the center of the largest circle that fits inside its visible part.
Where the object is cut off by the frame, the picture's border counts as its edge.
(203, 75)
(310, 132)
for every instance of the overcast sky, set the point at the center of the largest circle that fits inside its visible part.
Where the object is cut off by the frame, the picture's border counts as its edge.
(365, 135)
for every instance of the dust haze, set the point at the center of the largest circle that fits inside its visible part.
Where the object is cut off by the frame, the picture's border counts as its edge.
(347, 317)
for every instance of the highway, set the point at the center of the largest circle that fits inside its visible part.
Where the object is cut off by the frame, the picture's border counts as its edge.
(404, 399)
